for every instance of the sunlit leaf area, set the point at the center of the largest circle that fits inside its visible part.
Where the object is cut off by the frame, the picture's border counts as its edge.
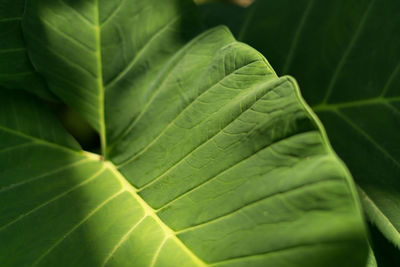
(200, 133)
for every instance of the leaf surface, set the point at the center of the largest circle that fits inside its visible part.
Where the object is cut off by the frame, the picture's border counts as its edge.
(16, 70)
(211, 159)
(283, 200)
(349, 72)
(97, 58)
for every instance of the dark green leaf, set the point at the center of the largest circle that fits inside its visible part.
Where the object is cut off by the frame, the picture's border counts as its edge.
(16, 70)
(264, 190)
(345, 55)
(211, 159)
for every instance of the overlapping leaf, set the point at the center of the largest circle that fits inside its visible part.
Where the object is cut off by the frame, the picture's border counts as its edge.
(212, 159)
(347, 62)
(16, 71)
(101, 57)
(265, 190)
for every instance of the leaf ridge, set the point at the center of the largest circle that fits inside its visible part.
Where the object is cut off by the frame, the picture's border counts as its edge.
(85, 19)
(366, 136)
(245, 25)
(123, 239)
(43, 175)
(393, 108)
(357, 103)
(68, 37)
(149, 211)
(11, 148)
(390, 79)
(87, 217)
(297, 36)
(37, 140)
(155, 257)
(343, 60)
(113, 13)
(100, 82)
(178, 116)
(64, 58)
(377, 217)
(204, 143)
(160, 81)
(268, 146)
(52, 200)
(10, 19)
(129, 66)
(276, 194)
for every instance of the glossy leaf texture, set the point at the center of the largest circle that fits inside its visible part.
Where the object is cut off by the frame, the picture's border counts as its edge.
(345, 55)
(211, 159)
(16, 70)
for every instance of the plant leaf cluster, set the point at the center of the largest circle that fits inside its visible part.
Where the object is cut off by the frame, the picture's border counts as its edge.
(209, 158)
(347, 62)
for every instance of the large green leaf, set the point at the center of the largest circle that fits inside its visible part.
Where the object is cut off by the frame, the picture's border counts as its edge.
(97, 58)
(211, 158)
(16, 70)
(345, 55)
(266, 191)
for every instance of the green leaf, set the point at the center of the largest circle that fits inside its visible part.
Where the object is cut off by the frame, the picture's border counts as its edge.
(386, 254)
(16, 70)
(371, 262)
(97, 61)
(347, 63)
(211, 159)
(284, 199)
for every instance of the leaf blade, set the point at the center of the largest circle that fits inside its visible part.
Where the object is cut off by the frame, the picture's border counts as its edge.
(227, 106)
(88, 202)
(16, 70)
(349, 73)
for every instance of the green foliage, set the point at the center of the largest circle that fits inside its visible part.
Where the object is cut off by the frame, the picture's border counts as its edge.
(16, 70)
(347, 62)
(209, 158)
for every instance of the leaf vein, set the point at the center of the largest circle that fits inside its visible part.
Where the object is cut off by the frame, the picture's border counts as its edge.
(366, 136)
(85, 19)
(210, 139)
(43, 175)
(347, 52)
(160, 83)
(143, 150)
(87, 217)
(297, 37)
(22, 216)
(11, 148)
(123, 239)
(140, 53)
(255, 202)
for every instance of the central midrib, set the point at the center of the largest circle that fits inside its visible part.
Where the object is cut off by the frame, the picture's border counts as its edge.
(149, 210)
(103, 141)
(125, 184)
